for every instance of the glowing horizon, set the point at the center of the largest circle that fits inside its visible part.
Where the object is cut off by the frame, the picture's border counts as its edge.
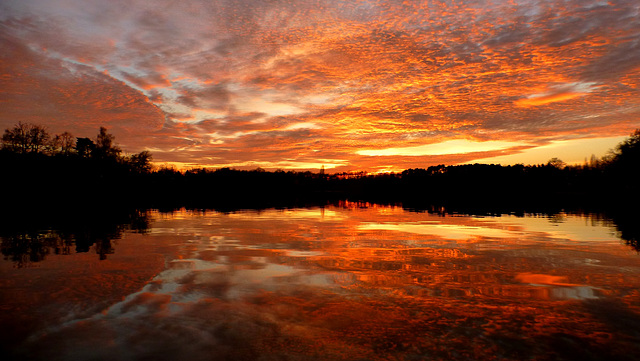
(372, 85)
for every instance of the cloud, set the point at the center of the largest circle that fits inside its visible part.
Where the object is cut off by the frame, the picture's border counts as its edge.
(557, 93)
(459, 146)
(212, 80)
(147, 81)
(67, 96)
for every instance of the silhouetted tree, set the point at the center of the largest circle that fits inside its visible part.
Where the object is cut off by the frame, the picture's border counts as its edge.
(85, 147)
(627, 153)
(141, 162)
(556, 163)
(99, 165)
(104, 147)
(623, 164)
(594, 162)
(63, 143)
(25, 138)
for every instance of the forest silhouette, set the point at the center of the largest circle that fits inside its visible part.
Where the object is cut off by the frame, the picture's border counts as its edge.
(64, 194)
(47, 171)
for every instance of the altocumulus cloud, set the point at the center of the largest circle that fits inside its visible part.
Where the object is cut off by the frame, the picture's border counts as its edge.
(304, 83)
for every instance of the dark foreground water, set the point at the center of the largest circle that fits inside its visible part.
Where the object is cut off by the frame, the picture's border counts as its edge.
(335, 283)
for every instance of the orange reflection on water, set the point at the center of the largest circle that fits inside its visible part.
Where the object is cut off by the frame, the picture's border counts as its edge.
(371, 282)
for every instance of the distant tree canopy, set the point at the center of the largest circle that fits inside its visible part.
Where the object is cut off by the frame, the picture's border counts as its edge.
(141, 162)
(556, 163)
(26, 138)
(104, 146)
(83, 166)
(627, 153)
(63, 143)
(85, 147)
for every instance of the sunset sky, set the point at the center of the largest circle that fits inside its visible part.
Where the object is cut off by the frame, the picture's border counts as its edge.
(348, 85)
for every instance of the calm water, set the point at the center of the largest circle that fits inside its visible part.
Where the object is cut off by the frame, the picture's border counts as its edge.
(335, 283)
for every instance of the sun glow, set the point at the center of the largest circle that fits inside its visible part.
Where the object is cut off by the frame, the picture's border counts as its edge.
(575, 151)
(459, 146)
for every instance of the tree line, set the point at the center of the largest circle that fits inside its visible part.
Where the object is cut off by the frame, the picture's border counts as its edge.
(612, 179)
(34, 140)
(40, 166)
(63, 171)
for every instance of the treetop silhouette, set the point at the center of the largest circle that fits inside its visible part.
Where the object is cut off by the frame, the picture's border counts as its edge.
(26, 138)
(97, 167)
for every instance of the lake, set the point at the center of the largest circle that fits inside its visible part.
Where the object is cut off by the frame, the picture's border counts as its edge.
(353, 281)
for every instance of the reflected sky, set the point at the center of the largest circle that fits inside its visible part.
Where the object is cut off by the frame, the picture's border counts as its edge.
(561, 227)
(347, 283)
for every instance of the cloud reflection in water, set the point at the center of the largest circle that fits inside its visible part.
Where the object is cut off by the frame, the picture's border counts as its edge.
(375, 283)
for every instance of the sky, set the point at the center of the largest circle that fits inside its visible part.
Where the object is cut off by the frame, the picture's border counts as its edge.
(355, 85)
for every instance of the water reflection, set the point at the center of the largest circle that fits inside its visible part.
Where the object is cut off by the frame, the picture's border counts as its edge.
(358, 282)
(28, 240)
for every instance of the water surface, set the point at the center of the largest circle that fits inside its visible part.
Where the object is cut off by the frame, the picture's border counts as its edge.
(359, 282)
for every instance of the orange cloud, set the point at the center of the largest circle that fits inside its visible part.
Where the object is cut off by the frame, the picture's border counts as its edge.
(289, 83)
(557, 93)
(546, 99)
